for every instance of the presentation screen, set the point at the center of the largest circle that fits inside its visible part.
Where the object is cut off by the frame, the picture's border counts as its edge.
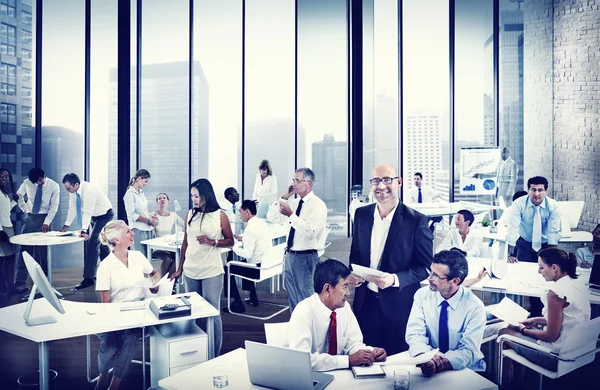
(478, 168)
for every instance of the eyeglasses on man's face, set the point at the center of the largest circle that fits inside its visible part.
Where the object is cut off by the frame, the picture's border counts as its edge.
(436, 277)
(298, 181)
(534, 190)
(385, 180)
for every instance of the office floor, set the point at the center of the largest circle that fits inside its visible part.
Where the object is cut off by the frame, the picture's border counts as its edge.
(68, 357)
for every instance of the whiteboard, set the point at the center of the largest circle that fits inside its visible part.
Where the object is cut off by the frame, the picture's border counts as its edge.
(478, 167)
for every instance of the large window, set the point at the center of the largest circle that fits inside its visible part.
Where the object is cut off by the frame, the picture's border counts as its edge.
(164, 127)
(473, 86)
(63, 103)
(269, 91)
(323, 104)
(217, 94)
(426, 87)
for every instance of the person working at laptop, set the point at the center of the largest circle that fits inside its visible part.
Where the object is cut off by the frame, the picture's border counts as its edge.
(325, 326)
(585, 256)
(447, 316)
(534, 224)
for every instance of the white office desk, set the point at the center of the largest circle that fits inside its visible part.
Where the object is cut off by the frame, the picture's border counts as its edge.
(45, 239)
(443, 209)
(200, 377)
(576, 236)
(77, 322)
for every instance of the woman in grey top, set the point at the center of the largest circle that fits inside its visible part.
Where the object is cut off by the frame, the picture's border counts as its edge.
(136, 207)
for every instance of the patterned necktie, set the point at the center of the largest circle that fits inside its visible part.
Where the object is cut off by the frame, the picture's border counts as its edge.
(536, 239)
(333, 334)
(420, 200)
(79, 211)
(37, 202)
(233, 209)
(290, 240)
(443, 329)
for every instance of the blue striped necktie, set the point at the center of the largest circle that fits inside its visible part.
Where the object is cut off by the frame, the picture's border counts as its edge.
(79, 211)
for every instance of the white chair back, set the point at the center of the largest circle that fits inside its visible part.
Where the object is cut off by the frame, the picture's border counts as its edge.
(581, 339)
(276, 334)
(272, 263)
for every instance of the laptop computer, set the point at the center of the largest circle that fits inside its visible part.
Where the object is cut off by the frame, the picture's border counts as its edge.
(283, 368)
(594, 283)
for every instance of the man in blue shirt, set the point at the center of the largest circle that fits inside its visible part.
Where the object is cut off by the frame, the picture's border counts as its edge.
(534, 224)
(447, 316)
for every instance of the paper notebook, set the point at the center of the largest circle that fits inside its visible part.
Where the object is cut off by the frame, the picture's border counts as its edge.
(374, 371)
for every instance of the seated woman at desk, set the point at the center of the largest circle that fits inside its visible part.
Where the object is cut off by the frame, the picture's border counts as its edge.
(119, 279)
(463, 237)
(167, 220)
(566, 304)
(207, 229)
(585, 256)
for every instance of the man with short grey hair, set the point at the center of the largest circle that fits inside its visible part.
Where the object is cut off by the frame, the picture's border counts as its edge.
(306, 216)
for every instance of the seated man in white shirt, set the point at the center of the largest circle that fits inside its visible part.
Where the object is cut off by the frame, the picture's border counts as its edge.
(254, 245)
(447, 316)
(325, 326)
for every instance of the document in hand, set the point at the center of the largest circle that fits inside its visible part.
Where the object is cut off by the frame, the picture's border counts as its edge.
(404, 359)
(374, 371)
(365, 272)
(165, 287)
(509, 311)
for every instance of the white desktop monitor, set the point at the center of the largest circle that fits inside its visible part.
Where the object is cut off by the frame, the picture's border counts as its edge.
(570, 212)
(41, 283)
(499, 263)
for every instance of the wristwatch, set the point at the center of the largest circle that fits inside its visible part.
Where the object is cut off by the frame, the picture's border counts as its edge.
(523, 331)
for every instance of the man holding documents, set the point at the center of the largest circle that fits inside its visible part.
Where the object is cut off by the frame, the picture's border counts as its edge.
(395, 243)
(325, 326)
(447, 316)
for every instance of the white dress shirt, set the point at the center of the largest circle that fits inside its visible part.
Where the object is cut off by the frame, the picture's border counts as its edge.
(265, 191)
(310, 225)
(166, 223)
(136, 205)
(124, 283)
(94, 203)
(308, 330)
(6, 204)
(381, 228)
(50, 198)
(471, 245)
(428, 194)
(255, 241)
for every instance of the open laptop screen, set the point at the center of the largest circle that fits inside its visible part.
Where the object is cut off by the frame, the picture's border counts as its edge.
(595, 274)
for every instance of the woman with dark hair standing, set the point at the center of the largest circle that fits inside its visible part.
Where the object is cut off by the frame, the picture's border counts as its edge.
(7, 250)
(207, 229)
(265, 186)
(566, 304)
(136, 207)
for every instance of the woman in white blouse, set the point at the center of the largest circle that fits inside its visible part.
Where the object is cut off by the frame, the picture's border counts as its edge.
(463, 237)
(265, 186)
(136, 207)
(167, 220)
(7, 250)
(566, 304)
(207, 229)
(119, 279)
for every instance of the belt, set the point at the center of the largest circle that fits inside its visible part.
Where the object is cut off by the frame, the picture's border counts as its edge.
(306, 252)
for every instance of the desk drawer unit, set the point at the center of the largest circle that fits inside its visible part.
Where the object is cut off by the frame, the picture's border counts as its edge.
(176, 347)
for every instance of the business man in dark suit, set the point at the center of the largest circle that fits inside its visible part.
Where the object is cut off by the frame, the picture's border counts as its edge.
(395, 239)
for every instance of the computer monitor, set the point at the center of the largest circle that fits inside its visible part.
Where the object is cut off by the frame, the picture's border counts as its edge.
(41, 283)
(572, 211)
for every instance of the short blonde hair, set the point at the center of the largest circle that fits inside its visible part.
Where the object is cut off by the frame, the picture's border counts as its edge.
(110, 232)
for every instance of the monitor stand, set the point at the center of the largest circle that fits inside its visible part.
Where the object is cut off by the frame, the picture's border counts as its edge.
(27, 314)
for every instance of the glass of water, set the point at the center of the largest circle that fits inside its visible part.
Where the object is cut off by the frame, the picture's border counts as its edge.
(401, 380)
(220, 378)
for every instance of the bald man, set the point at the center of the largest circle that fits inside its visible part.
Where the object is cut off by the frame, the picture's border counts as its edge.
(395, 239)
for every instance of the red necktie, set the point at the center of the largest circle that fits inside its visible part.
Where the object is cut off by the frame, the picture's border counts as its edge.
(333, 335)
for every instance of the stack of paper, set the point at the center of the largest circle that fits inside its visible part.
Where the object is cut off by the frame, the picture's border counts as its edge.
(509, 311)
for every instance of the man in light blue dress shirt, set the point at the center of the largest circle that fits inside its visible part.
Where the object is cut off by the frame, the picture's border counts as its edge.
(457, 332)
(526, 236)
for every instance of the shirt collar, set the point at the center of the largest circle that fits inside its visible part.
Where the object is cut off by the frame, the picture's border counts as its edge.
(323, 310)
(388, 218)
(308, 197)
(80, 189)
(452, 302)
(542, 205)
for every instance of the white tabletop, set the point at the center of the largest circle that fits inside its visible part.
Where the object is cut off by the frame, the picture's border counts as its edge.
(576, 236)
(200, 377)
(445, 208)
(77, 322)
(45, 239)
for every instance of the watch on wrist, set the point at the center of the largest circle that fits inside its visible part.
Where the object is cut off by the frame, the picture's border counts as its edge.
(523, 331)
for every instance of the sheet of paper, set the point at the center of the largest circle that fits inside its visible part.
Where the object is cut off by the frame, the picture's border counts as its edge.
(404, 359)
(509, 311)
(60, 234)
(500, 284)
(365, 272)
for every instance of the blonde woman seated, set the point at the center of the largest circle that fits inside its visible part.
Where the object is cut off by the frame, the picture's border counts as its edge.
(118, 279)
(566, 304)
(463, 237)
(167, 221)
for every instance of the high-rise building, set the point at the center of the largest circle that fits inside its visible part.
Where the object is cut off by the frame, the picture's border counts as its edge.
(422, 148)
(164, 130)
(17, 137)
